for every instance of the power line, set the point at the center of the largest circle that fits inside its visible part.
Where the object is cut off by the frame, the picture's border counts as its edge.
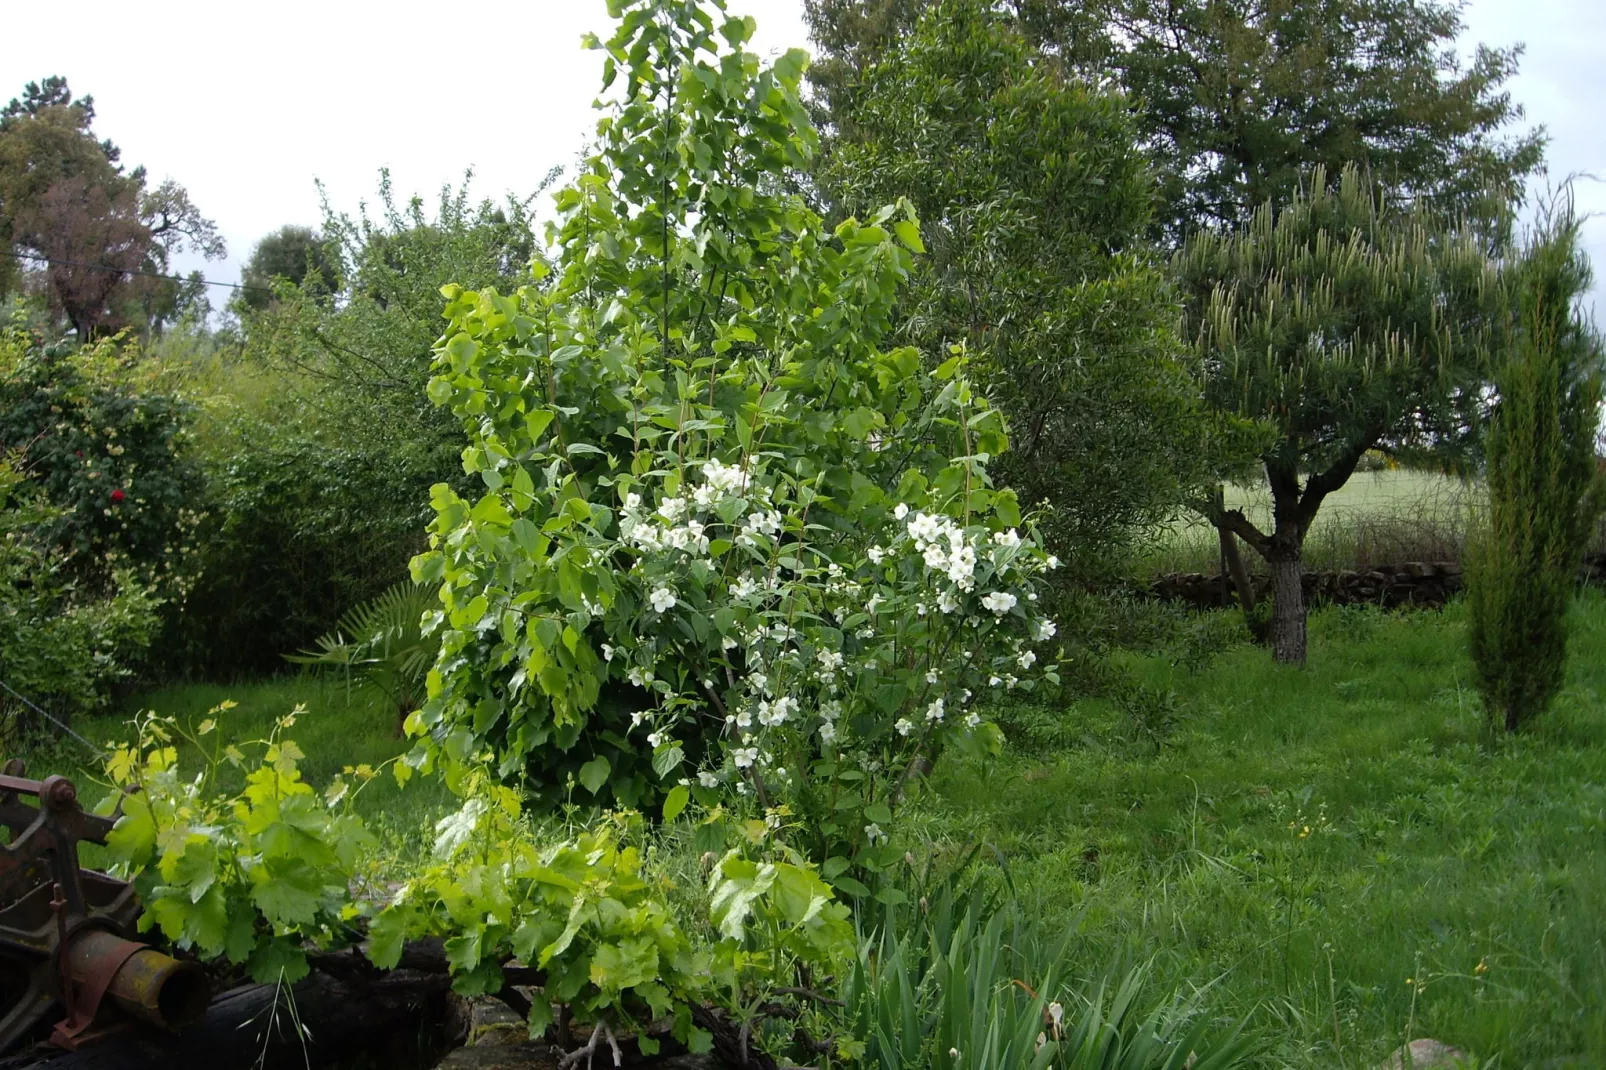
(130, 271)
(59, 724)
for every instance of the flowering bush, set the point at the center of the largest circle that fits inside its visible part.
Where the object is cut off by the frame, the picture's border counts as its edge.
(105, 441)
(729, 545)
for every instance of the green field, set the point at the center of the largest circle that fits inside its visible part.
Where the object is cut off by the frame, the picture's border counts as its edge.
(1382, 517)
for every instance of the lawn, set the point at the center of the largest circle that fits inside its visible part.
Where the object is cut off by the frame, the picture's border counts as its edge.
(1338, 851)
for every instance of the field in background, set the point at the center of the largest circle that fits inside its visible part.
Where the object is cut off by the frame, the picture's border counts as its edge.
(1377, 518)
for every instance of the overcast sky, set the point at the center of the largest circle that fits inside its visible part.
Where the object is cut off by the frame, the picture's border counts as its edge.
(247, 104)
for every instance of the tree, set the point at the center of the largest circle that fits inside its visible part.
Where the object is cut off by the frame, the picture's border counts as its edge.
(102, 235)
(1545, 485)
(292, 254)
(1237, 99)
(1034, 201)
(1340, 323)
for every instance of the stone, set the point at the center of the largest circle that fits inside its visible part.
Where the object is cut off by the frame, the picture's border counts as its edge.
(1424, 1054)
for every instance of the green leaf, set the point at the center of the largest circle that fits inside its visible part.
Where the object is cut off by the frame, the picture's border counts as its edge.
(878, 813)
(908, 232)
(594, 774)
(277, 960)
(676, 801)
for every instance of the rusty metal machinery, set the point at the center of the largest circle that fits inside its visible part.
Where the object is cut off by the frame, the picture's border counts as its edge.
(64, 930)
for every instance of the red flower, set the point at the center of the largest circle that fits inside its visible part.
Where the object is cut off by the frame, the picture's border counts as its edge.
(117, 495)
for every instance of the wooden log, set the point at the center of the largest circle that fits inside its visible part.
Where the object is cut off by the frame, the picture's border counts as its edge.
(403, 1019)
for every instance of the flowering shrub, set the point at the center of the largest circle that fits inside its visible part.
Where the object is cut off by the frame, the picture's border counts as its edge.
(730, 546)
(105, 442)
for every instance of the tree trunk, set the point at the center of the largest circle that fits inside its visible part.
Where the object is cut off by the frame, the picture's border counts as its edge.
(1288, 604)
(1233, 561)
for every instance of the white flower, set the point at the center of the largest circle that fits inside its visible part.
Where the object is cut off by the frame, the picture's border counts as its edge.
(1000, 602)
(655, 739)
(829, 659)
(607, 652)
(931, 676)
(993, 681)
(827, 731)
(874, 604)
(966, 696)
(744, 757)
(876, 555)
(707, 779)
(632, 502)
(1008, 539)
(920, 609)
(900, 511)
(743, 587)
(972, 719)
(924, 529)
(662, 599)
(728, 643)
(1010, 681)
(1052, 562)
(744, 718)
(873, 833)
(1056, 1014)
(953, 1053)
(758, 681)
(934, 712)
(1046, 629)
(936, 557)
(947, 602)
(831, 709)
(904, 726)
(775, 713)
(639, 676)
(1027, 659)
(722, 478)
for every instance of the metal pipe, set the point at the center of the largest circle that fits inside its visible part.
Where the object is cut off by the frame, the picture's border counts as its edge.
(144, 983)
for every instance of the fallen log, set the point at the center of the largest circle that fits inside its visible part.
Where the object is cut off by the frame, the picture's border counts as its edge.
(402, 1019)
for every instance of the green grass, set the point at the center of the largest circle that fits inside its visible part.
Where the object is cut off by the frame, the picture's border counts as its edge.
(1431, 848)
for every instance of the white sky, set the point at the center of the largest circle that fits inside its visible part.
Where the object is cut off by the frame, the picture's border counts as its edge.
(245, 104)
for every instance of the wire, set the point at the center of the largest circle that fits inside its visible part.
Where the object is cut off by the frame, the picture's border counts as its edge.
(59, 724)
(130, 271)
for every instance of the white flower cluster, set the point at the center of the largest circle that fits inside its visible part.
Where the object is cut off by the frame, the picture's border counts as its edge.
(945, 548)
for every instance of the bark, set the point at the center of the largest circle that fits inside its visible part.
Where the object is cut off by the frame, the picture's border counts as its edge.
(1288, 605)
(396, 1021)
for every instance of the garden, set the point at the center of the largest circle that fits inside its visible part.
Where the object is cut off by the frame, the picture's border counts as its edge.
(704, 610)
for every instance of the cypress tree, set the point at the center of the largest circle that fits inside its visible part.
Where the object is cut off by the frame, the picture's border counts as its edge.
(1545, 487)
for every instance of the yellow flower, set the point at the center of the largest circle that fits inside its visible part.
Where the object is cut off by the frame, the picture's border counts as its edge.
(1482, 967)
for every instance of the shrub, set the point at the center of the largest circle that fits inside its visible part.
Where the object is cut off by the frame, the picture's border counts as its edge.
(717, 512)
(301, 525)
(100, 434)
(61, 644)
(1545, 487)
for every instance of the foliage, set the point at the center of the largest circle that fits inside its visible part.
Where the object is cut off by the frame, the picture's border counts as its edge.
(249, 876)
(1338, 324)
(364, 322)
(381, 643)
(60, 644)
(1546, 488)
(264, 875)
(1239, 100)
(969, 987)
(1035, 197)
(65, 197)
(293, 256)
(716, 509)
(105, 440)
